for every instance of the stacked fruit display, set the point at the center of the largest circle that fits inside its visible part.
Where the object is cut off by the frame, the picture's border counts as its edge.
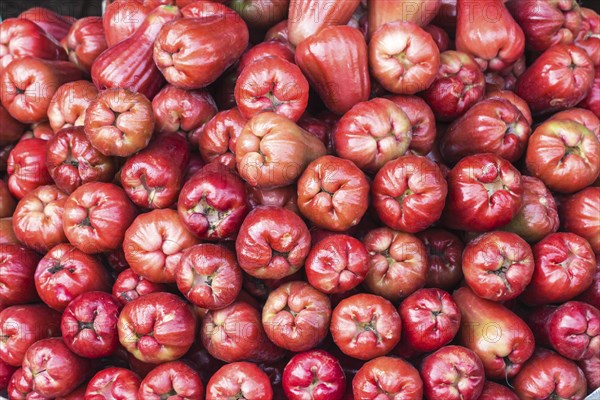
(288, 199)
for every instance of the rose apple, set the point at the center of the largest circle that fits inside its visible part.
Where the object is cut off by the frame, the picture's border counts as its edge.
(119, 122)
(66, 272)
(89, 324)
(284, 197)
(403, 57)
(68, 105)
(392, 376)
(500, 338)
(333, 193)
(27, 167)
(422, 122)
(419, 12)
(157, 327)
(261, 14)
(129, 286)
(113, 383)
(372, 133)
(154, 245)
(452, 373)
(37, 220)
(173, 379)
(17, 268)
(296, 316)
(458, 85)
(272, 84)
(336, 63)
(498, 265)
(409, 193)
(515, 100)
(592, 100)
(85, 42)
(592, 294)
(213, 202)
(219, 137)
(116, 260)
(430, 319)
(7, 234)
(11, 128)
(548, 375)
(444, 257)
(53, 369)
(495, 391)
(564, 268)
(336, 264)
(239, 380)
(208, 275)
(590, 370)
(29, 83)
(192, 53)
(538, 215)
(272, 243)
(6, 372)
(439, 35)
(308, 18)
(280, 33)
(397, 264)
(579, 214)
(365, 326)
(21, 326)
(272, 151)
(268, 48)
(581, 116)
(54, 24)
(589, 35)
(122, 18)
(315, 373)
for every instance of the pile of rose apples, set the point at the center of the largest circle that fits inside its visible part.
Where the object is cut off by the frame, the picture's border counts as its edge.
(301, 199)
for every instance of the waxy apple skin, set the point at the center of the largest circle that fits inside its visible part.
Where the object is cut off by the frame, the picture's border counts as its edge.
(579, 214)
(27, 168)
(444, 257)
(122, 18)
(239, 380)
(54, 24)
(495, 391)
(308, 18)
(121, 383)
(392, 376)
(69, 103)
(219, 137)
(85, 42)
(316, 372)
(129, 286)
(17, 281)
(172, 379)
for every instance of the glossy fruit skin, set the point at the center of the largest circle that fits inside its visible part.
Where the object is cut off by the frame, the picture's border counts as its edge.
(66, 272)
(154, 244)
(409, 193)
(430, 319)
(547, 23)
(588, 38)
(500, 338)
(296, 316)
(315, 372)
(495, 391)
(284, 197)
(22, 37)
(192, 53)
(179, 110)
(119, 122)
(27, 167)
(239, 378)
(235, 333)
(422, 122)
(444, 257)
(69, 103)
(498, 265)
(6, 373)
(122, 18)
(213, 203)
(72, 160)
(153, 177)
(308, 18)
(470, 205)
(113, 383)
(272, 84)
(260, 14)
(53, 369)
(272, 243)
(268, 48)
(12, 129)
(582, 116)
(337, 264)
(579, 215)
(341, 80)
(29, 83)
(453, 373)
(37, 220)
(392, 376)
(592, 294)
(208, 275)
(272, 151)
(565, 155)
(96, 216)
(419, 12)
(219, 137)
(372, 133)
(129, 286)
(553, 281)
(157, 327)
(590, 368)
(458, 85)
(23, 325)
(85, 42)
(403, 57)
(397, 265)
(333, 193)
(592, 100)
(18, 266)
(129, 64)
(175, 379)
(549, 374)
(544, 92)
(365, 326)
(538, 215)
